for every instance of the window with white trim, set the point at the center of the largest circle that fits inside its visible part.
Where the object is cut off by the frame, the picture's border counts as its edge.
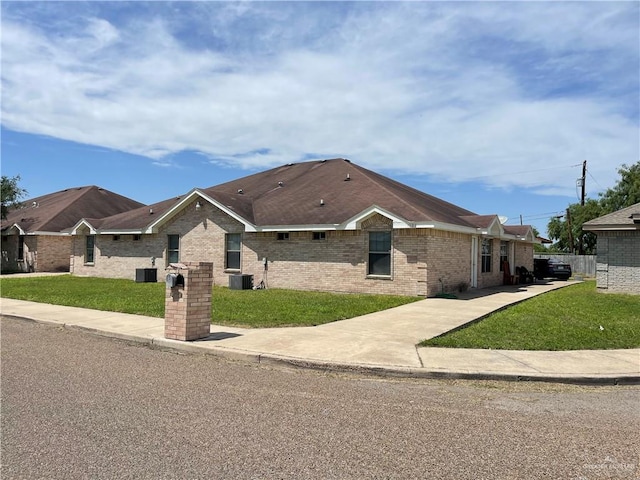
(504, 253)
(173, 248)
(233, 245)
(379, 253)
(21, 247)
(486, 255)
(89, 251)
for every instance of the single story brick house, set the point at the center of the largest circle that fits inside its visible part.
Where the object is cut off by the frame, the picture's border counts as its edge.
(618, 250)
(36, 237)
(327, 225)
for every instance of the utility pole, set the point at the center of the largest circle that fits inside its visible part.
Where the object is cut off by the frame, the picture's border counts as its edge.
(583, 182)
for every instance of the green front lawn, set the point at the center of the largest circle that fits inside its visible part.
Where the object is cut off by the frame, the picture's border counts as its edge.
(245, 308)
(576, 317)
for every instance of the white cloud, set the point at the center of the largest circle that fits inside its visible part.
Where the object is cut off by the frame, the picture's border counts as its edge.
(457, 90)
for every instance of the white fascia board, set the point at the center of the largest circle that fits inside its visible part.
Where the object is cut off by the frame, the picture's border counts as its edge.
(352, 223)
(51, 234)
(190, 197)
(83, 223)
(610, 228)
(136, 231)
(297, 228)
(447, 227)
(17, 227)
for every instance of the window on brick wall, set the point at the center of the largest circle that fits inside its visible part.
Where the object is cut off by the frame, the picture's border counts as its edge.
(504, 254)
(379, 253)
(173, 248)
(137, 237)
(283, 235)
(90, 247)
(21, 247)
(233, 246)
(319, 235)
(486, 255)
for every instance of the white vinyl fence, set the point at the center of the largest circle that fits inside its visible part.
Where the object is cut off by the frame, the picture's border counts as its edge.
(580, 264)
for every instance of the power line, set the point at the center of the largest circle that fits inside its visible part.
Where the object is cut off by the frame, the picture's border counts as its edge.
(520, 173)
(542, 215)
(595, 179)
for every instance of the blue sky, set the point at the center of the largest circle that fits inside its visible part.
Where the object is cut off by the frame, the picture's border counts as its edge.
(490, 105)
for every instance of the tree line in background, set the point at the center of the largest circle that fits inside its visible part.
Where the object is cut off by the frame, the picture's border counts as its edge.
(566, 230)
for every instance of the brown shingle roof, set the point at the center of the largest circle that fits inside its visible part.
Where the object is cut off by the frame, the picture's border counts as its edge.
(59, 211)
(292, 195)
(327, 192)
(623, 218)
(135, 219)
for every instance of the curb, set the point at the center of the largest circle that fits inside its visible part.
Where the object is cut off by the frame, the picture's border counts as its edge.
(379, 371)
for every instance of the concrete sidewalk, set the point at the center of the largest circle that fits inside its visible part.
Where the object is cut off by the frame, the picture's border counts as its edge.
(382, 342)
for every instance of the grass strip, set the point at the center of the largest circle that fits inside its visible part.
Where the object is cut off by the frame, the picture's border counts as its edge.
(244, 308)
(577, 317)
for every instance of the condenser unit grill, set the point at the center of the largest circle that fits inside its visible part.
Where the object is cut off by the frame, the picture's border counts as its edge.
(241, 282)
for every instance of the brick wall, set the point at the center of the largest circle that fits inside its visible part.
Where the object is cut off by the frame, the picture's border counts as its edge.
(337, 263)
(449, 261)
(29, 260)
(495, 276)
(618, 262)
(524, 255)
(202, 238)
(53, 253)
(10, 253)
(187, 309)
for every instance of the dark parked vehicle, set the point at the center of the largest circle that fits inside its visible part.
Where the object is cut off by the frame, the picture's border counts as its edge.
(550, 268)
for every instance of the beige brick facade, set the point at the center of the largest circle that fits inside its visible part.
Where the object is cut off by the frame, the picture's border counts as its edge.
(187, 311)
(618, 262)
(424, 261)
(40, 253)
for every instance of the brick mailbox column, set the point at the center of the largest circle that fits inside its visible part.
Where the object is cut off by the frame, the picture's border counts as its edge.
(187, 309)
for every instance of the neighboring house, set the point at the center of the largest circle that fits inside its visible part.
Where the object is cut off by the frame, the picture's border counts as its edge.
(325, 225)
(36, 236)
(618, 250)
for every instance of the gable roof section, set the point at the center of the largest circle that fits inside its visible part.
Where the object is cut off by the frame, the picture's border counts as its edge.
(522, 232)
(625, 219)
(58, 212)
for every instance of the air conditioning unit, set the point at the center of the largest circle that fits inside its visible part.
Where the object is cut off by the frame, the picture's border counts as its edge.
(240, 282)
(146, 275)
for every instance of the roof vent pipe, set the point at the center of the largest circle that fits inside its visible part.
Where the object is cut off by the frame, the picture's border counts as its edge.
(151, 211)
(321, 202)
(348, 178)
(240, 191)
(280, 184)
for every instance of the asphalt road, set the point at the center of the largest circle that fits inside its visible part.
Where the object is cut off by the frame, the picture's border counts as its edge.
(80, 406)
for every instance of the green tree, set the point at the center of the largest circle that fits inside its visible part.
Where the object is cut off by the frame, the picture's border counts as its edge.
(10, 194)
(537, 248)
(625, 193)
(566, 230)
